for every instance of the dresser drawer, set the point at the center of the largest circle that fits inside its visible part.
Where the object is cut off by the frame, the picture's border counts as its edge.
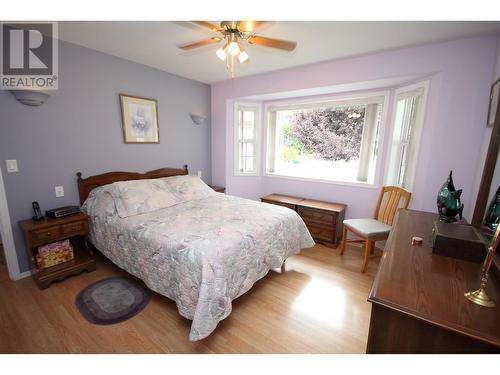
(319, 232)
(317, 216)
(79, 227)
(41, 236)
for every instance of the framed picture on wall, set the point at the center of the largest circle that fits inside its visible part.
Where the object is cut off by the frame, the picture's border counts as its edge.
(139, 119)
(494, 103)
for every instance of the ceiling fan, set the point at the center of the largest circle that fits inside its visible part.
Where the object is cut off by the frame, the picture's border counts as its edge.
(235, 34)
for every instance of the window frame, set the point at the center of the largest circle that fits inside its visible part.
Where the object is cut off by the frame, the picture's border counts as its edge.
(393, 156)
(256, 108)
(325, 101)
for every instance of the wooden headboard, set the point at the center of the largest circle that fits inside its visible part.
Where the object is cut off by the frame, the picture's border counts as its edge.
(85, 185)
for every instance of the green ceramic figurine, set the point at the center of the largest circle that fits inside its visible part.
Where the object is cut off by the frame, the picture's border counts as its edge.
(448, 202)
(493, 214)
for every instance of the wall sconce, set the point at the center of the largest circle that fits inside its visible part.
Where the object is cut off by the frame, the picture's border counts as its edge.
(198, 119)
(32, 98)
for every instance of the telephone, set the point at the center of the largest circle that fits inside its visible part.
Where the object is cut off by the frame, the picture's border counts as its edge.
(38, 213)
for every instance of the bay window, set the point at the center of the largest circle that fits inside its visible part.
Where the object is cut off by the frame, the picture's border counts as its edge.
(334, 140)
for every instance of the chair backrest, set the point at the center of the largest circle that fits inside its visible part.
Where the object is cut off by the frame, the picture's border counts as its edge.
(389, 201)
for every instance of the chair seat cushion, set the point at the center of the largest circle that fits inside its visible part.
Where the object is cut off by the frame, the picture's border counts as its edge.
(369, 228)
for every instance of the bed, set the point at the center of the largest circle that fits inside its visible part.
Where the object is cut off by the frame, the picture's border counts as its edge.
(198, 247)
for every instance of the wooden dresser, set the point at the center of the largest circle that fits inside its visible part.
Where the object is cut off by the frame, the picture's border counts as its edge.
(323, 219)
(218, 189)
(417, 297)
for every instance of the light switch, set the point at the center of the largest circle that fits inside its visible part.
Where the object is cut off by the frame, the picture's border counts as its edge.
(59, 191)
(11, 166)
(199, 174)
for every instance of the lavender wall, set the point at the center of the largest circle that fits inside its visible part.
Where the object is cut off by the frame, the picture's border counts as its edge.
(486, 143)
(79, 129)
(460, 73)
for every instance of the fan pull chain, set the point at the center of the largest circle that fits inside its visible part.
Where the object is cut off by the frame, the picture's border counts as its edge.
(230, 65)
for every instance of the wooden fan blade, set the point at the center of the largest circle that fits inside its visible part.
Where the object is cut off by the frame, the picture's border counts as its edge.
(208, 25)
(201, 43)
(250, 26)
(273, 43)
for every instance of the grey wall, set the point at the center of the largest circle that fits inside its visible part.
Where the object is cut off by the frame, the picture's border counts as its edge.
(79, 129)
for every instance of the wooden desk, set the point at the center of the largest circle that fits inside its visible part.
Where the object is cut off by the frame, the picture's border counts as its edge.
(417, 298)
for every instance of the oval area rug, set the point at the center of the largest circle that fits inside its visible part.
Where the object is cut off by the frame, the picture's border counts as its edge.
(112, 300)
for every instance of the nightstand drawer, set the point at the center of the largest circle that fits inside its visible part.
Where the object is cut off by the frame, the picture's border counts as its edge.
(79, 227)
(42, 236)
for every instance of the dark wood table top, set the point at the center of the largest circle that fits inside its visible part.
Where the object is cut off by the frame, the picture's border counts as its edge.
(321, 205)
(311, 203)
(282, 198)
(431, 287)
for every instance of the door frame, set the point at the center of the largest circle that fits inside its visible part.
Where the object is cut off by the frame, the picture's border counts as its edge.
(9, 247)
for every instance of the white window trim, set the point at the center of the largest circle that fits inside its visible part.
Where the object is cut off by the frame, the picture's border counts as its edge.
(9, 246)
(256, 107)
(323, 181)
(419, 125)
(301, 103)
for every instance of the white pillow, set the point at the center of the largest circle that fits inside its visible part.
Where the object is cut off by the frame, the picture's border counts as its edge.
(188, 188)
(137, 197)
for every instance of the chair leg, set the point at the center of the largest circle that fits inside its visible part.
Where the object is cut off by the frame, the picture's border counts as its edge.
(368, 246)
(344, 239)
(372, 248)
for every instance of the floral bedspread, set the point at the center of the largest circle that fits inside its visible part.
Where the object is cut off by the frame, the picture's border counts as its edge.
(201, 253)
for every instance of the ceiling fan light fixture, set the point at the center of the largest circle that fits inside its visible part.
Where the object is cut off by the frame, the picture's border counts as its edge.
(222, 53)
(234, 35)
(242, 57)
(234, 48)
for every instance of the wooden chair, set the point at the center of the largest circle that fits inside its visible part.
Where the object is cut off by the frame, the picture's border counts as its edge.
(378, 228)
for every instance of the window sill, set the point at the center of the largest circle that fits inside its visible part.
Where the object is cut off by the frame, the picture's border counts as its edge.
(324, 181)
(240, 174)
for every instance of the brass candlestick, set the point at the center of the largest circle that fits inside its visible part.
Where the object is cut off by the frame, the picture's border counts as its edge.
(480, 296)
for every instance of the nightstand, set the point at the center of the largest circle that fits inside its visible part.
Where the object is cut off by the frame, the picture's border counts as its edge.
(74, 228)
(218, 189)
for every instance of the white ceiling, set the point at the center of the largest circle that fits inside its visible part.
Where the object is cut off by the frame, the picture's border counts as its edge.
(155, 43)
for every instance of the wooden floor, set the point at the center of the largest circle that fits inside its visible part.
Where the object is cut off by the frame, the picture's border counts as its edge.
(317, 305)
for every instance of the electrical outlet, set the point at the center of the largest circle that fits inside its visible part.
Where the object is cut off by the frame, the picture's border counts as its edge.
(59, 191)
(11, 166)
(199, 174)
